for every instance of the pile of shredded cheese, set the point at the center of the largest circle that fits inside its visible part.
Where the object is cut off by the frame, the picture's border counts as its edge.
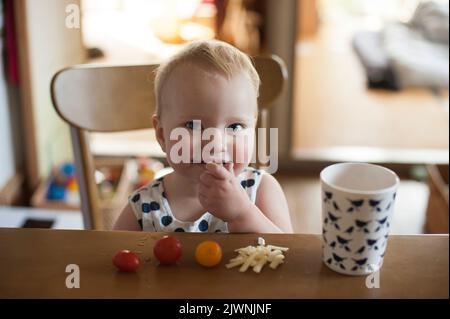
(258, 256)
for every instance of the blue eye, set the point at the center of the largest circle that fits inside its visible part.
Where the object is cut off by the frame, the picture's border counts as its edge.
(192, 125)
(236, 127)
(189, 125)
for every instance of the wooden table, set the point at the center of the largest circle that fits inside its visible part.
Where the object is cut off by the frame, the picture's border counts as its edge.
(33, 264)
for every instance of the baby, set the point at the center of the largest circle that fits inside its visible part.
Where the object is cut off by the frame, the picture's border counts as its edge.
(209, 87)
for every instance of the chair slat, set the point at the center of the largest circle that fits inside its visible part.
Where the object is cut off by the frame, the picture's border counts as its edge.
(121, 98)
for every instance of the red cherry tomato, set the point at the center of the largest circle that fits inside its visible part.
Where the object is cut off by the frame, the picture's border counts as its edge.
(167, 250)
(126, 261)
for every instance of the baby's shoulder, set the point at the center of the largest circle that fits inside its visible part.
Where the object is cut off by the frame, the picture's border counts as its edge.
(269, 189)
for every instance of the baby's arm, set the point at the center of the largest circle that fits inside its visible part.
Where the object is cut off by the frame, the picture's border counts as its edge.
(127, 220)
(270, 212)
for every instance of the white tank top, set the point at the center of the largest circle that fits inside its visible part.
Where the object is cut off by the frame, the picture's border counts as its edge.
(153, 213)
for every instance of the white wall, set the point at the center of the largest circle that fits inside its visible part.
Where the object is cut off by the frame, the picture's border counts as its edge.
(7, 165)
(52, 46)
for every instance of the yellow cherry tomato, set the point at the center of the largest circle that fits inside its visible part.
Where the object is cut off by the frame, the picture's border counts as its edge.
(208, 253)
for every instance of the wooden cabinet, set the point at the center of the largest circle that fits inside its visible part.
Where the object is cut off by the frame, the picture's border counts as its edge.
(437, 210)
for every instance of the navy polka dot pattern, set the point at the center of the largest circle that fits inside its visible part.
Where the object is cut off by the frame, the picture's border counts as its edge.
(166, 220)
(136, 198)
(152, 208)
(248, 183)
(146, 208)
(203, 226)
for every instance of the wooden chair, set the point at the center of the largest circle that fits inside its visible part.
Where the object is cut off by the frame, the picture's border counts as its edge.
(121, 98)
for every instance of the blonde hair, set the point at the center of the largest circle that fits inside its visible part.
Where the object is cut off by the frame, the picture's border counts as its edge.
(221, 56)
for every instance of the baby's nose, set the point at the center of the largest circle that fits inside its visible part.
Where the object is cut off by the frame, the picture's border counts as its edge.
(216, 146)
(215, 137)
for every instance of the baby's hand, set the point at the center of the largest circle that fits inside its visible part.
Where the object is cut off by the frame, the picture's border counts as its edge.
(221, 194)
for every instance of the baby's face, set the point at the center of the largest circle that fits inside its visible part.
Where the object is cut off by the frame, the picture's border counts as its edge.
(206, 102)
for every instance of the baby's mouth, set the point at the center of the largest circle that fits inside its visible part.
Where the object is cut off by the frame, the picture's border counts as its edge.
(204, 163)
(218, 162)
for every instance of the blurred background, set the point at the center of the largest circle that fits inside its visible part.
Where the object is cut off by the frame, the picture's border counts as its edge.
(368, 82)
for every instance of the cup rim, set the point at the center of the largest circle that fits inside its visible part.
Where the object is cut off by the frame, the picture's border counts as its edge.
(361, 192)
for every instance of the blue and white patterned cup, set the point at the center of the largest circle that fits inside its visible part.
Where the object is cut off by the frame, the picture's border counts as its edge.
(357, 207)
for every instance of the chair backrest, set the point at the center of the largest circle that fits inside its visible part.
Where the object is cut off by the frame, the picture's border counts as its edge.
(121, 98)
